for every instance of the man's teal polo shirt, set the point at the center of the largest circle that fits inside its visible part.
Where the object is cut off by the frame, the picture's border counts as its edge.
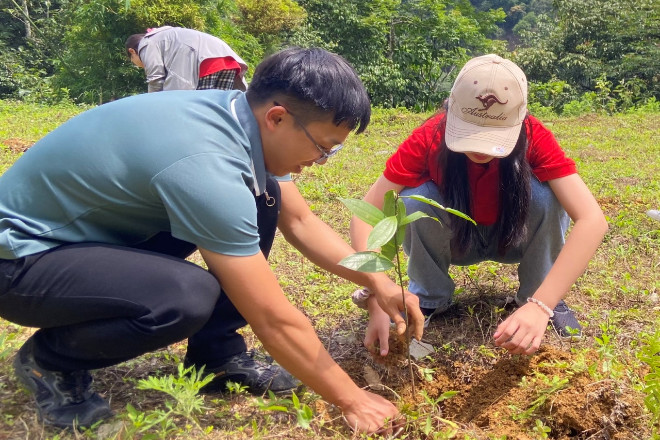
(188, 162)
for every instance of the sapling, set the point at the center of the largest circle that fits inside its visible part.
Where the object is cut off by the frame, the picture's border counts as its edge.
(389, 228)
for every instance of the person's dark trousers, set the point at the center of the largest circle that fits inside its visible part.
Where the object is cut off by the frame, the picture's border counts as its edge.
(97, 305)
(218, 340)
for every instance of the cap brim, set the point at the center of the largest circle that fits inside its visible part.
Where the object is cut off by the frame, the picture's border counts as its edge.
(464, 137)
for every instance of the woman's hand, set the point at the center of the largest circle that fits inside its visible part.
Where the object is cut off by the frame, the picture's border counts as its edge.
(523, 331)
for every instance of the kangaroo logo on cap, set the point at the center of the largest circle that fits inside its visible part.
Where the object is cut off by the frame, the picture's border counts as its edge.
(488, 100)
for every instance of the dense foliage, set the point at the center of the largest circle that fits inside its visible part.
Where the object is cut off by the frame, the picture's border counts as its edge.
(584, 54)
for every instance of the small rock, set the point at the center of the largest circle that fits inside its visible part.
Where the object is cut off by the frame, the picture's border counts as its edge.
(109, 430)
(419, 349)
(373, 378)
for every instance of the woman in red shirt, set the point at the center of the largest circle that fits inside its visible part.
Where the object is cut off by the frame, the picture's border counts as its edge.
(487, 157)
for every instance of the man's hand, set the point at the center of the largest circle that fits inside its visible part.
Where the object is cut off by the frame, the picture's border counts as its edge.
(523, 331)
(390, 301)
(372, 414)
(378, 329)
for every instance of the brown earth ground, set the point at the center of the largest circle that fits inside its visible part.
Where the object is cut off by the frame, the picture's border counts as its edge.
(490, 400)
(568, 390)
(498, 395)
(17, 145)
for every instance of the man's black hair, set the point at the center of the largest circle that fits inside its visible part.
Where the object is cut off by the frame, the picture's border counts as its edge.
(313, 83)
(133, 42)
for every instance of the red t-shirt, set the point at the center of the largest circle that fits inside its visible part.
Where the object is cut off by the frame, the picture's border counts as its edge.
(416, 162)
(212, 65)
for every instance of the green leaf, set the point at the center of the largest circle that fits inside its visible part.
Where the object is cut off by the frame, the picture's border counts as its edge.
(295, 400)
(461, 215)
(447, 395)
(367, 262)
(415, 216)
(382, 233)
(388, 204)
(438, 205)
(400, 215)
(388, 250)
(365, 211)
(425, 200)
(400, 235)
(305, 415)
(400, 210)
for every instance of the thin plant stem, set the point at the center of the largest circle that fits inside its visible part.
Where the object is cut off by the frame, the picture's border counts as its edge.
(405, 307)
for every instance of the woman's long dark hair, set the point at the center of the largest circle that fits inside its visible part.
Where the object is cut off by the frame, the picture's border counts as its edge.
(514, 194)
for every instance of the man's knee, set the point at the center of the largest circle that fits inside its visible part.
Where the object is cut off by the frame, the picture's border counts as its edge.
(189, 303)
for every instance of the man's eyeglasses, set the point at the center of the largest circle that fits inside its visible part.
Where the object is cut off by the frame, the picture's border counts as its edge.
(325, 154)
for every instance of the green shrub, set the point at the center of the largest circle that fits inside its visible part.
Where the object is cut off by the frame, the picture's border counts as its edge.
(541, 111)
(586, 104)
(553, 94)
(650, 105)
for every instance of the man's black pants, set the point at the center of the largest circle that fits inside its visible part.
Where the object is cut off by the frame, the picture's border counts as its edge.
(97, 305)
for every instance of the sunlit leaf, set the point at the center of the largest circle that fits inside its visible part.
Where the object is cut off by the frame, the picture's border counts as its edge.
(367, 262)
(438, 205)
(425, 200)
(415, 216)
(460, 214)
(365, 211)
(382, 233)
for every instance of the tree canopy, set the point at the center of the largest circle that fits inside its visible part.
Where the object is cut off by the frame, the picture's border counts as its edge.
(407, 52)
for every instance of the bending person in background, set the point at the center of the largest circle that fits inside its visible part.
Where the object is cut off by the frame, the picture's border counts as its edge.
(176, 58)
(487, 157)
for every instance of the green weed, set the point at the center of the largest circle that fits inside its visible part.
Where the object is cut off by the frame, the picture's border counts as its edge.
(7, 346)
(551, 386)
(302, 411)
(649, 353)
(540, 429)
(184, 389)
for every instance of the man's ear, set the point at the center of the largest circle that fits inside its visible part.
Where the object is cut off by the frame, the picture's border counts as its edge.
(274, 116)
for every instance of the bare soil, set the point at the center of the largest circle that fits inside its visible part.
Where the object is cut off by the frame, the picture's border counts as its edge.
(498, 395)
(491, 400)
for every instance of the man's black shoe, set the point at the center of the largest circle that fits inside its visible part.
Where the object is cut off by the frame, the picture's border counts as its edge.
(258, 376)
(63, 399)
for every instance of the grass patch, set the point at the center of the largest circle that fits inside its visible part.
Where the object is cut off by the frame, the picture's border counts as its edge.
(603, 386)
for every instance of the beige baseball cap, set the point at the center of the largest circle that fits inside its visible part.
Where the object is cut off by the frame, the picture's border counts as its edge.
(487, 106)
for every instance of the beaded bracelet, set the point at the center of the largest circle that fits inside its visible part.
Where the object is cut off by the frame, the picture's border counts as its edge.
(539, 303)
(360, 297)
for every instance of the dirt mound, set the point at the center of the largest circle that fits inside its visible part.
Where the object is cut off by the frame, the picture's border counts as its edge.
(562, 392)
